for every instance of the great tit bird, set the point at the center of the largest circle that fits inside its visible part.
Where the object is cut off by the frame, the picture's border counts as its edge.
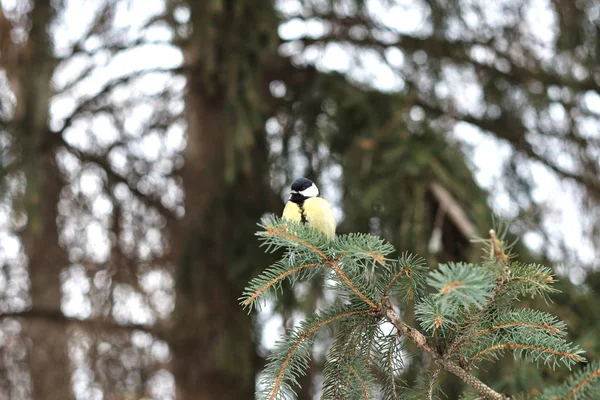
(306, 206)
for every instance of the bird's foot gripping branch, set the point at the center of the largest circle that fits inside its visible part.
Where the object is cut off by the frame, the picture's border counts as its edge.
(467, 313)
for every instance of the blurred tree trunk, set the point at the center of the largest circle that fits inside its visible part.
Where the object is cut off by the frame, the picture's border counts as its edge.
(213, 345)
(48, 359)
(213, 340)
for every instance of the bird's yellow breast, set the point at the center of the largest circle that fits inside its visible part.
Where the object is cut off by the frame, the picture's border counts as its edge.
(317, 213)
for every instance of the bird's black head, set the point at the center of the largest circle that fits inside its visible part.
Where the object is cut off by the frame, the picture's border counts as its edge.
(301, 184)
(302, 189)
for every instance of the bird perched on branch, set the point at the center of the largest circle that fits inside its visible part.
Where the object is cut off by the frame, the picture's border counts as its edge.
(307, 206)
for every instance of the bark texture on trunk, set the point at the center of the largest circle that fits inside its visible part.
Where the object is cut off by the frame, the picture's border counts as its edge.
(213, 339)
(226, 182)
(48, 359)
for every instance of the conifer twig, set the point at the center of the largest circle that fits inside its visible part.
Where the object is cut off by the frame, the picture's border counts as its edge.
(449, 365)
(432, 381)
(334, 265)
(496, 248)
(587, 380)
(365, 391)
(513, 346)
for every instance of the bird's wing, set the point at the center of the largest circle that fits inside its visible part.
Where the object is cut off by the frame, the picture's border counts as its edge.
(320, 215)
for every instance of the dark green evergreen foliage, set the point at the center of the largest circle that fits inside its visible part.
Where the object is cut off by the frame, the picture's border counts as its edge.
(469, 314)
(370, 135)
(387, 366)
(532, 102)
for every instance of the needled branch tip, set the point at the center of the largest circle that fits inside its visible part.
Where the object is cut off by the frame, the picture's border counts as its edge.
(496, 247)
(468, 304)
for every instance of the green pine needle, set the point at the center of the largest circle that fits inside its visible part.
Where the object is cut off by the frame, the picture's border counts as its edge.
(405, 278)
(363, 247)
(267, 284)
(289, 359)
(531, 280)
(462, 284)
(526, 320)
(582, 385)
(435, 315)
(530, 345)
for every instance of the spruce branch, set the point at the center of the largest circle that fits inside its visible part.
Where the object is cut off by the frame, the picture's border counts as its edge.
(435, 316)
(339, 354)
(336, 267)
(582, 385)
(270, 280)
(291, 358)
(347, 360)
(462, 284)
(447, 364)
(526, 319)
(305, 243)
(277, 235)
(531, 280)
(432, 383)
(387, 362)
(496, 263)
(470, 304)
(360, 246)
(408, 266)
(588, 382)
(363, 386)
(548, 354)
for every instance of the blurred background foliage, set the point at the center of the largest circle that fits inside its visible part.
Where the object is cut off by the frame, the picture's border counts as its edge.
(141, 141)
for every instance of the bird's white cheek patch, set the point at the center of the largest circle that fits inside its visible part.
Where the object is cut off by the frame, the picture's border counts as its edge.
(311, 191)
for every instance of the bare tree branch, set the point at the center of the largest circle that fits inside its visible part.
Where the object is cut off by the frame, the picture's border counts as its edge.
(114, 178)
(94, 324)
(86, 104)
(456, 50)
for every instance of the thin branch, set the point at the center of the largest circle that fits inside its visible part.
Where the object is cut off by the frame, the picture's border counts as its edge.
(510, 129)
(432, 383)
(273, 281)
(93, 324)
(587, 380)
(334, 265)
(362, 383)
(84, 105)
(117, 47)
(406, 270)
(449, 365)
(305, 335)
(457, 50)
(512, 346)
(114, 177)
